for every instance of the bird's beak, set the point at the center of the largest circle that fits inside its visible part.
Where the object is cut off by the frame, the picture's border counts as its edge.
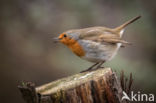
(56, 40)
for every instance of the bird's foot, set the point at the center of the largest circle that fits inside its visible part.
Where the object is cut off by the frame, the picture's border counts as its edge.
(89, 69)
(83, 71)
(101, 67)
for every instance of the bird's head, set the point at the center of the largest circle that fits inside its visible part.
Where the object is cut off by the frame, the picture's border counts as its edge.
(68, 37)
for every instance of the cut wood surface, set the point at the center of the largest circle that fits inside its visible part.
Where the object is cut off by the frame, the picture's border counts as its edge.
(99, 86)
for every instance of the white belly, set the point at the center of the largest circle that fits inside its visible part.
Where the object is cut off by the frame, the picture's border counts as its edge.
(95, 52)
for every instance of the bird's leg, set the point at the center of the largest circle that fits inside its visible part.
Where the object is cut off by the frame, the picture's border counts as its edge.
(93, 66)
(99, 66)
(90, 67)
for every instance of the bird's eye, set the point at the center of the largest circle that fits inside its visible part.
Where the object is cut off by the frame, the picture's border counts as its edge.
(65, 35)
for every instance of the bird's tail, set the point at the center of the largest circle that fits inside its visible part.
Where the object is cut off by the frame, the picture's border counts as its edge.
(120, 28)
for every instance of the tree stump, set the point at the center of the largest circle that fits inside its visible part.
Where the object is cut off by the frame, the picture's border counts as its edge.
(99, 86)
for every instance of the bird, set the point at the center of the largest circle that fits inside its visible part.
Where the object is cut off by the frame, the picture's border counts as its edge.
(97, 44)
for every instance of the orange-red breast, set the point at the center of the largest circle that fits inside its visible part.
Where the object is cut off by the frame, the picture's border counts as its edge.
(95, 44)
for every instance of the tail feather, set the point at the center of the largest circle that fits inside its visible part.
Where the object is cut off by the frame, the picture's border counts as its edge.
(120, 28)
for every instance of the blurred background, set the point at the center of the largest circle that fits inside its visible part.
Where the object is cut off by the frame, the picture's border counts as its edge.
(28, 53)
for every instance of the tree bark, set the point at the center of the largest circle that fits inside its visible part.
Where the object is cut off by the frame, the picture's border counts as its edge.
(99, 86)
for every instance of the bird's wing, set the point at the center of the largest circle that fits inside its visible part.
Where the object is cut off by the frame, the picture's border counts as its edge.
(103, 36)
(112, 39)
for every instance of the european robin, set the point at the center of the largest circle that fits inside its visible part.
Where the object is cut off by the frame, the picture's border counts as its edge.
(95, 44)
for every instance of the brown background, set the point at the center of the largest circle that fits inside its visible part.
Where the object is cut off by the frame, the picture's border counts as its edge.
(28, 53)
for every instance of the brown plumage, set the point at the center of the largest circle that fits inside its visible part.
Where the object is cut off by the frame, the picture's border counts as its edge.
(95, 44)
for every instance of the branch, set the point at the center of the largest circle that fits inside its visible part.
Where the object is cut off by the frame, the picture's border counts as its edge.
(99, 86)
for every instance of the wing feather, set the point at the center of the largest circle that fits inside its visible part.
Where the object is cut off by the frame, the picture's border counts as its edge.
(103, 37)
